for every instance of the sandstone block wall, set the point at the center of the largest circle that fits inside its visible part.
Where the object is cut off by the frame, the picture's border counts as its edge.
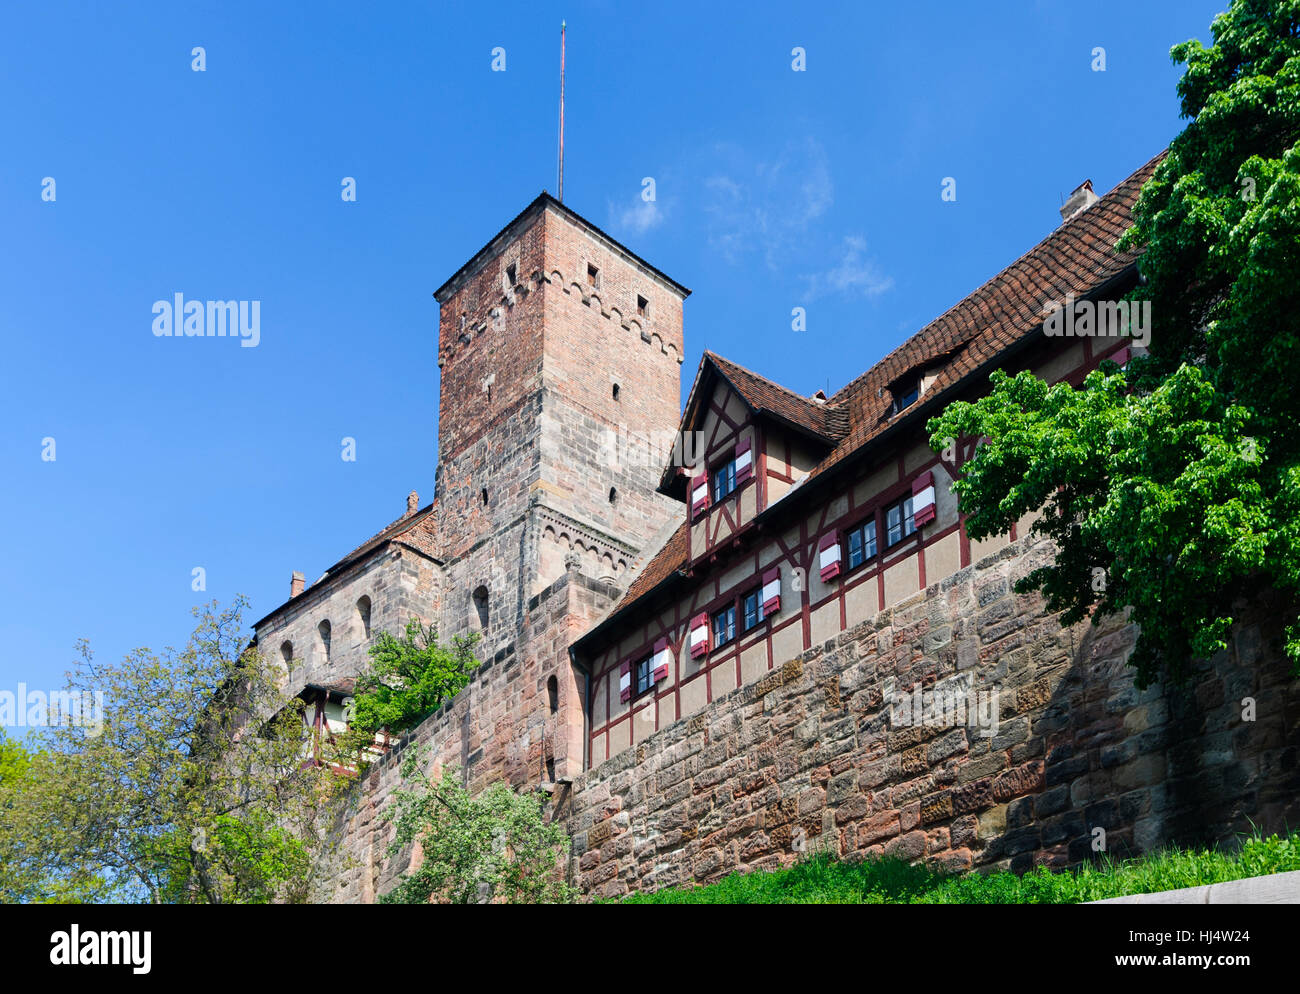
(811, 755)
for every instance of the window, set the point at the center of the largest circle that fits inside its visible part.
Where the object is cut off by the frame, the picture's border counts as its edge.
(510, 275)
(483, 495)
(363, 613)
(553, 694)
(906, 393)
(615, 391)
(593, 275)
(862, 542)
(724, 626)
(751, 609)
(613, 495)
(642, 306)
(898, 521)
(323, 630)
(724, 480)
(642, 676)
(481, 607)
(286, 653)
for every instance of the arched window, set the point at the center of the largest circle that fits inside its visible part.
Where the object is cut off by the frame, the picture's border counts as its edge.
(363, 613)
(553, 693)
(323, 629)
(481, 608)
(286, 654)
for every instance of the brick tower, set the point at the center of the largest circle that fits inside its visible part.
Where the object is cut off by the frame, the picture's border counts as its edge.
(553, 340)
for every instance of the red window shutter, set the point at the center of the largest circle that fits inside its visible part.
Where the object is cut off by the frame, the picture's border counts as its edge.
(625, 681)
(701, 502)
(699, 645)
(661, 671)
(828, 568)
(772, 602)
(745, 471)
(923, 499)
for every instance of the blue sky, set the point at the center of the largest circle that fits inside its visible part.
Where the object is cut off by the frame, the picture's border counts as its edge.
(774, 189)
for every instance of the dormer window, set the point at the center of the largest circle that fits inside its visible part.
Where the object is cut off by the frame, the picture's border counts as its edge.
(906, 393)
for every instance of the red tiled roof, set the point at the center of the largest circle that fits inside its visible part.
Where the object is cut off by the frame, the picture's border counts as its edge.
(1077, 257)
(672, 556)
(761, 394)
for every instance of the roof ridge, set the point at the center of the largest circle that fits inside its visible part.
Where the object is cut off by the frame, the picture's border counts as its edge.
(759, 376)
(1111, 194)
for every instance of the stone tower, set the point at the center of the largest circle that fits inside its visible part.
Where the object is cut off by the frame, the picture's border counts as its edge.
(553, 340)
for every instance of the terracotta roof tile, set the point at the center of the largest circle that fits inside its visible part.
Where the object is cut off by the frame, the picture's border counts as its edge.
(761, 394)
(671, 557)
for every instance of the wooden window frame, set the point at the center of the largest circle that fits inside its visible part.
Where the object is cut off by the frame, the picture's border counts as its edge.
(904, 504)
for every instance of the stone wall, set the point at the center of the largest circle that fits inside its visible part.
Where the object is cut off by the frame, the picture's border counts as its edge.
(813, 756)
(500, 727)
(400, 583)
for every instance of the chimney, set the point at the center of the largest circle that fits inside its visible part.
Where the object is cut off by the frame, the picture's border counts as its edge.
(412, 503)
(296, 583)
(1081, 199)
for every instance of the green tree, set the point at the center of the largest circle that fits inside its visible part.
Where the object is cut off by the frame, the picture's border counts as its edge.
(407, 680)
(190, 790)
(1174, 487)
(495, 845)
(14, 758)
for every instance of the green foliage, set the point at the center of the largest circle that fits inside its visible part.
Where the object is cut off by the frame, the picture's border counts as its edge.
(407, 680)
(491, 846)
(1174, 487)
(252, 856)
(822, 879)
(191, 791)
(15, 760)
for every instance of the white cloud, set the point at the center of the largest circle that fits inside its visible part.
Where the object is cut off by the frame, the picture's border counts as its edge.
(853, 274)
(767, 206)
(638, 218)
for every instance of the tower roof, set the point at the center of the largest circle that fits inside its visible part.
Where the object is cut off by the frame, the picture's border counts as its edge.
(507, 234)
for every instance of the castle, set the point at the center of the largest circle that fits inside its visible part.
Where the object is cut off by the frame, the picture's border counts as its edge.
(778, 637)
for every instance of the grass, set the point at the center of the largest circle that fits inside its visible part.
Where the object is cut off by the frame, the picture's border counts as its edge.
(822, 879)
